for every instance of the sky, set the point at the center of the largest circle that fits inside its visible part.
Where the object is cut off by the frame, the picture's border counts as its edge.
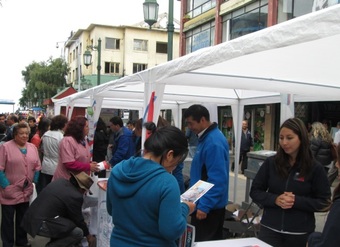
(31, 28)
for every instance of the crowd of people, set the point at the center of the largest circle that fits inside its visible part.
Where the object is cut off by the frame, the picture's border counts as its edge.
(146, 180)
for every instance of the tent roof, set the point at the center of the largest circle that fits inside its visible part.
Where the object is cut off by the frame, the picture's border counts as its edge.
(299, 57)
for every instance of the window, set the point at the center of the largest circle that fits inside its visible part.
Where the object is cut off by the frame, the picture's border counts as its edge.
(139, 67)
(289, 9)
(161, 47)
(140, 45)
(197, 7)
(112, 43)
(248, 19)
(200, 37)
(111, 68)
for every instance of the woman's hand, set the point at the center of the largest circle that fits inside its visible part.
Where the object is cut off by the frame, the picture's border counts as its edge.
(191, 206)
(285, 200)
(94, 166)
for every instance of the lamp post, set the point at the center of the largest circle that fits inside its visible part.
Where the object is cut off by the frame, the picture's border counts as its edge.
(88, 58)
(150, 8)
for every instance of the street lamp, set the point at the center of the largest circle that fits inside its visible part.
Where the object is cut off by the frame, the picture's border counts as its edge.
(88, 57)
(150, 8)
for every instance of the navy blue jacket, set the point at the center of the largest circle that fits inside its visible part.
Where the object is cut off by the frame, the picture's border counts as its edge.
(330, 235)
(312, 194)
(124, 146)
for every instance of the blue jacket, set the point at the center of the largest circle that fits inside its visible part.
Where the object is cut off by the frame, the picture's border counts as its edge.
(211, 164)
(312, 193)
(124, 146)
(144, 202)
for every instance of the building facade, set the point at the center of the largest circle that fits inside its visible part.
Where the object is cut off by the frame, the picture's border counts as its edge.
(124, 50)
(209, 22)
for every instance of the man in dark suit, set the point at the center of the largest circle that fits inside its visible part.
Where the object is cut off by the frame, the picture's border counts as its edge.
(246, 145)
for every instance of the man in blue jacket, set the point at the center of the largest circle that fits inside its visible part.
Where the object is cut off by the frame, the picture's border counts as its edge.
(124, 146)
(211, 164)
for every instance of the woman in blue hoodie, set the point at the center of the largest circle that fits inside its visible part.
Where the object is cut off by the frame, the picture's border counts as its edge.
(143, 198)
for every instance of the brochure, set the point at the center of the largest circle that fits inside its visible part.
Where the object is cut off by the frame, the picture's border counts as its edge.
(104, 165)
(188, 237)
(196, 191)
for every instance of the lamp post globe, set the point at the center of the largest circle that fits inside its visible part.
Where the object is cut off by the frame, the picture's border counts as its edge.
(150, 9)
(87, 58)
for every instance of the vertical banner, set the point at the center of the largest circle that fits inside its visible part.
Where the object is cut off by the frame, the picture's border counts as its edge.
(149, 111)
(92, 126)
(69, 110)
(151, 107)
(92, 115)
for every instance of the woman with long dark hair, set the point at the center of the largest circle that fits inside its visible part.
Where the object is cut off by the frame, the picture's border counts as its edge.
(100, 143)
(291, 186)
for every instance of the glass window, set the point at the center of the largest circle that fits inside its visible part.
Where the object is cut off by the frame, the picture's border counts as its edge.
(200, 37)
(112, 43)
(197, 7)
(162, 47)
(289, 9)
(111, 68)
(140, 45)
(139, 67)
(247, 19)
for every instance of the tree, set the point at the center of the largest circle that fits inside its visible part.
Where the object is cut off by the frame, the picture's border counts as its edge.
(43, 81)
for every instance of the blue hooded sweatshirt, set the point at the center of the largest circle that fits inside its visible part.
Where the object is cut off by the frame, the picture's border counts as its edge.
(144, 202)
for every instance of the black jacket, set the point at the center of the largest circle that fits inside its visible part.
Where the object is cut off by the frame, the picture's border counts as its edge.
(321, 151)
(312, 194)
(330, 235)
(60, 197)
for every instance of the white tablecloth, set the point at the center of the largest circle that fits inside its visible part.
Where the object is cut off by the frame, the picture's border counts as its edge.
(241, 242)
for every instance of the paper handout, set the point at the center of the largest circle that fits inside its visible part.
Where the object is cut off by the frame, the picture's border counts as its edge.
(196, 191)
(104, 165)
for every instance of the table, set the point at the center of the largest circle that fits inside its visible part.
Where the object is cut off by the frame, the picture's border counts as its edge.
(240, 242)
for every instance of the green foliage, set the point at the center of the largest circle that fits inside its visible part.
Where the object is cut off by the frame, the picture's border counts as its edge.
(43, 80)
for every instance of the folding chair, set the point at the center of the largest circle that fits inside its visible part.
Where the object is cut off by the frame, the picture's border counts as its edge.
(244, 225)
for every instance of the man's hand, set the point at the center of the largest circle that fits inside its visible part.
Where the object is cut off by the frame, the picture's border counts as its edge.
(91, 240)
(200, 215)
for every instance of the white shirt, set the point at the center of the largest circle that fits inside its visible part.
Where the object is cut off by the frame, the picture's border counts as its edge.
(50, 144)
(337, 137)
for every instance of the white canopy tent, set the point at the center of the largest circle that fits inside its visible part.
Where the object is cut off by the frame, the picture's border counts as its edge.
(297, 60)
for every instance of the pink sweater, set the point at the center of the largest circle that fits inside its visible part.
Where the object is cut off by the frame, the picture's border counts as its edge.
(18, 167)
(71, 151)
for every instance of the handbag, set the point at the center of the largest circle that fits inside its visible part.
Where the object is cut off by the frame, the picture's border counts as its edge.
(58, 227)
